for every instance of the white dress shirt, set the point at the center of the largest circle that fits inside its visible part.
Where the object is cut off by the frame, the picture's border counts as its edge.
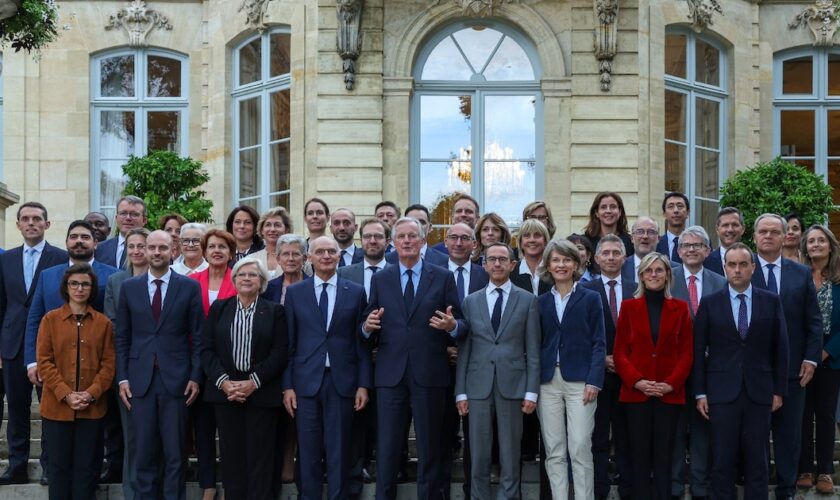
(332, 287)
(163, 287)
(777, 270)
(671, 238)
(535, 280)
(619, 294)
(347, 257)
(368, 274)
(698, 282)
(466, 266)
(36, 257)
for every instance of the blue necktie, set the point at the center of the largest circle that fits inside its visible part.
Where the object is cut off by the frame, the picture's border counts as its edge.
(122, 255)
(743, 326)
(341, 262)
(459, 282)
(408, 294)
(324, 305)
(771, 279)
(675, 256)
(28, 267)
(496, 319)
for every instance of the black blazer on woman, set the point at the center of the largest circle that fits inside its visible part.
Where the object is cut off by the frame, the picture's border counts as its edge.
(269, 351)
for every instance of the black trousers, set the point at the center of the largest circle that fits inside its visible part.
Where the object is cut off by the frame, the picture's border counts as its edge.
(73, 465)
(247, 435)
(820, 405)
(202, 417)
(653, 426)
(610, 428)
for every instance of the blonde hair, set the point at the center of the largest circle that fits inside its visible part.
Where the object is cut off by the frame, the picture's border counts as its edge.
(647, 261)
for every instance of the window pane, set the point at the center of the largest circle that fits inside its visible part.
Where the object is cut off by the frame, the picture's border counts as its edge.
(446, 63)
(477, 44)
(833, 121)
(116, 76)
(445, 123)
(164, 78)
(163, 133)
(834, 179)
(440, 179)
(706, 63)
(797, 76)
(674, 167)
(706, 170)
(509, 127)
(508, 186)
(116, 144)
(705, 214)
(279, 200)
(797, 132)
(802, 162)
(280, 128)
(279, 167)
(675, 116)
(249, 122)
(707, 118)
(249, 173)
(509, 63)
(280, 53)
(675, 55)
(249, 62)
(834, 74)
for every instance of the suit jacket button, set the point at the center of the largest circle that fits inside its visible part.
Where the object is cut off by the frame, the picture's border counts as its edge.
(653, 355)
(492, 362)
(497, 342)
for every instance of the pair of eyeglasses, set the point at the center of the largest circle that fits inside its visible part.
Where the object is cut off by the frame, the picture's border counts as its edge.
(84, 285)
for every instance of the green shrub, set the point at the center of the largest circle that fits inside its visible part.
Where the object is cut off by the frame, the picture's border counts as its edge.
(33, 27)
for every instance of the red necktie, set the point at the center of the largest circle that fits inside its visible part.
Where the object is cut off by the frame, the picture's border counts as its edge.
(157, 301)
(692, 294)
(613, 302)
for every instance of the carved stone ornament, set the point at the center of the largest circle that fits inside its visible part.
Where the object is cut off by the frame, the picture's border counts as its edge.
(349, 37)
(138, 21)
(255, 13)
(477, 8)
(700, 12)
(822, 19)
(606, 38)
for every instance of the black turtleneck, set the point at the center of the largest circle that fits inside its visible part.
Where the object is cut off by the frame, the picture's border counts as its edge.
(654, 300)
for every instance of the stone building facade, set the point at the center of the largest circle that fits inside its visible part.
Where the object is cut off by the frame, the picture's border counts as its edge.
(357, 101)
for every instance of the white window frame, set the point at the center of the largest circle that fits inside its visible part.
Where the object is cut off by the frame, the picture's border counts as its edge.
(2, 109)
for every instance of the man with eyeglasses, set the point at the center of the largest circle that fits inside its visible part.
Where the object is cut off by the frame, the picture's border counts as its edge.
(131, 213)
(691, 282)
(645, 235)
(675, 209)
(729, 228)
(101, 227)
(431, 255)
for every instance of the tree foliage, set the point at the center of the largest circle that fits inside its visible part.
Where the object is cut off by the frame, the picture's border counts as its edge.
(33, 26)
(168, 183)
(780, 187)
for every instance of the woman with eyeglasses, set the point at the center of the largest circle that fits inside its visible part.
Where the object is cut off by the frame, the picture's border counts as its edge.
(76, 360)
(272, 225)
(192, 256)
(540, 211)
(653, 353)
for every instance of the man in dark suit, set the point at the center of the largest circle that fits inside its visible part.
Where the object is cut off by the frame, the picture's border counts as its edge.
(610, 419)
(794, 284)
(159, 321)
(729, 228)
(740, 375)
(131, 213)
(645, 236)
(100, 224)
(329, 372)
(20, 268)
(376, 236)
(675, 210)
(464, 209)
(428, 254)
(388, 212)
(343, 227)
(692, 283)
(411, 313)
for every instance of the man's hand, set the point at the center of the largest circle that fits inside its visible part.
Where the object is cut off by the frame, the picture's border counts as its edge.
(528, 406)
(590, 394)
(372, 323)
(290, 401)
(191, 392)
(777, 402)
(703, 407)
(806, 373)
(443, 320)
(825, 356)
(452, 353)
(361, 399)
(463, 407)
(34, 376)
(610, 363)
(125, 394)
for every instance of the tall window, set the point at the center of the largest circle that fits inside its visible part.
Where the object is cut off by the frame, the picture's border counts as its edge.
(477, 118)
(695, 121)
(806, 90)
(261, 120)
(1, 115)
(140, 101)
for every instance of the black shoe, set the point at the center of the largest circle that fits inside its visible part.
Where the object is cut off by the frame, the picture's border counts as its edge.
(110, 474)
(11, 477)
(366, 477)
(44, 479)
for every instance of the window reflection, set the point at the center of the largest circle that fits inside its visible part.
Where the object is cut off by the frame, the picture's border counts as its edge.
(509, 63)
(163, 131)
(250, 62)
(707, 127)
(675, 117)
(116, 76)
(490, 55)
(280, 54)
(675, 55)
(798, 76)
(478, 45)
(445, 125)
(797, 132)
(706, 63)
(834, 74)
(164, 77)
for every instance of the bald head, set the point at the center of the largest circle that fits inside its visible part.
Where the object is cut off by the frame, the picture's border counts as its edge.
(323, 253)
(460, 243)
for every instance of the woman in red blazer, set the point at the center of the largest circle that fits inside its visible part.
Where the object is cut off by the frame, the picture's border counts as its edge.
(653, 354)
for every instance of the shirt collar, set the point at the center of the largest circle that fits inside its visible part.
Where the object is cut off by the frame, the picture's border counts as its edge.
(417, 268)
(733, 294)
(671, 236)
(454, 267)
(66, 312)
(777, 262)
(332, 281)
(380, 264)
(607, 280)
(557, 294)
(248, 309)
(506, 287)
(39, 247)
(698, 275)
(164, 278)
(524, 269)
(351, 249)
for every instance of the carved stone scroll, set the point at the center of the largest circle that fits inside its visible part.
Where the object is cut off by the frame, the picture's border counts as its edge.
(477, 8)
(701, 11)
(606, 38)
(349, 37)
(255, 13)
(822, 19)
(138, 21)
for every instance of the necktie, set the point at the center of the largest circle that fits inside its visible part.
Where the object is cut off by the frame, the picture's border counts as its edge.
(157, 301)
(692, 293)
(408, 294)
(122, 255)
(613, 302)
(341, 262)
(771, 279)
(675, 256)
(324, 304)
(496, 318)
(459, 282)
(28, 267)
(742, 316)
(373, 269)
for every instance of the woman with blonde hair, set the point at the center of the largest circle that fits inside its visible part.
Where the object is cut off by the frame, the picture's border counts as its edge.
(273, 224)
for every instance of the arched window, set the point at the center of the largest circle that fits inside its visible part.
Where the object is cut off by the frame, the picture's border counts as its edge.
(806, 113)
(140, 103)
(262, 131)
(477, 121)
(695, 121)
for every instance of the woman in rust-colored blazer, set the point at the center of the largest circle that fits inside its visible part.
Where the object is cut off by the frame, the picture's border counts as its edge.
(653, 354)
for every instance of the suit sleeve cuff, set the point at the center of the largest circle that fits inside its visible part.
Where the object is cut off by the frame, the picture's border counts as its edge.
(255, 379)
(31, 365)
(365, 334)
(460, 397)
(454, 332)
(221, 380)
(531, 396)
(809, 362)
(122, 382)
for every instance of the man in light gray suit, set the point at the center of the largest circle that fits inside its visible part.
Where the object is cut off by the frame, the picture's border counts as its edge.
(498, 371)
(691, 282)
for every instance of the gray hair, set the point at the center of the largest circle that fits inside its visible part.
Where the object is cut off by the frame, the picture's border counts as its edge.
(729, 210)
(562, 247)
(193, 225)
(697, 231)
(770, 216)
(644, 218)
(611, 238)
(409, 220)
(263, 272)
(292, 239)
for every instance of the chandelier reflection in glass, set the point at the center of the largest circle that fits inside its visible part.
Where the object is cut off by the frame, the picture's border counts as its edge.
(502, 174)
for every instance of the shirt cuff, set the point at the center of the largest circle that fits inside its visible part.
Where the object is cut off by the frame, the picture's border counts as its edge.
(364, 333)
(255, 379)
(809, 362)
(531, 396)
(122, 382)
(31, 365)
(454, 332)
(700, 396)
(460, 397)
(221, 380)
(593, 386)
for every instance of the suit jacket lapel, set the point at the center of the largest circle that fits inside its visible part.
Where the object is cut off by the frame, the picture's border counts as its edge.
(311, 303)
(484, 311)
(758, 275)
(784, 272)
(340, 298)
(513, 298)
(680, 289)
(172, 290)
(426, 278)
(572, 300)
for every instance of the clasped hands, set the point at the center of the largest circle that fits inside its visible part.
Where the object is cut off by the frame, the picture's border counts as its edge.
(238, 391)
(78, 401)
(653, 389)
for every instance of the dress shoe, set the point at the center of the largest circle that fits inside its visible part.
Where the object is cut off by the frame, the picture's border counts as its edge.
(366, 477)
(110, 474)
(824, 484)
(805, 481)
(11, 477)
(44, 481)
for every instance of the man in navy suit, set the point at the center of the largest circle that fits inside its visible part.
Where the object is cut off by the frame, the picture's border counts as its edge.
(692, 283)
(740, 375)
(427, 253)
(411, 313)
(464, 209)
(645, 236)
(794, 284)
(729, 228)
(329, 372)
(159, 321)
(388, 212)
(20, 268)
(675, 209)
(614, 288)
(131, 213)
(343, 227)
